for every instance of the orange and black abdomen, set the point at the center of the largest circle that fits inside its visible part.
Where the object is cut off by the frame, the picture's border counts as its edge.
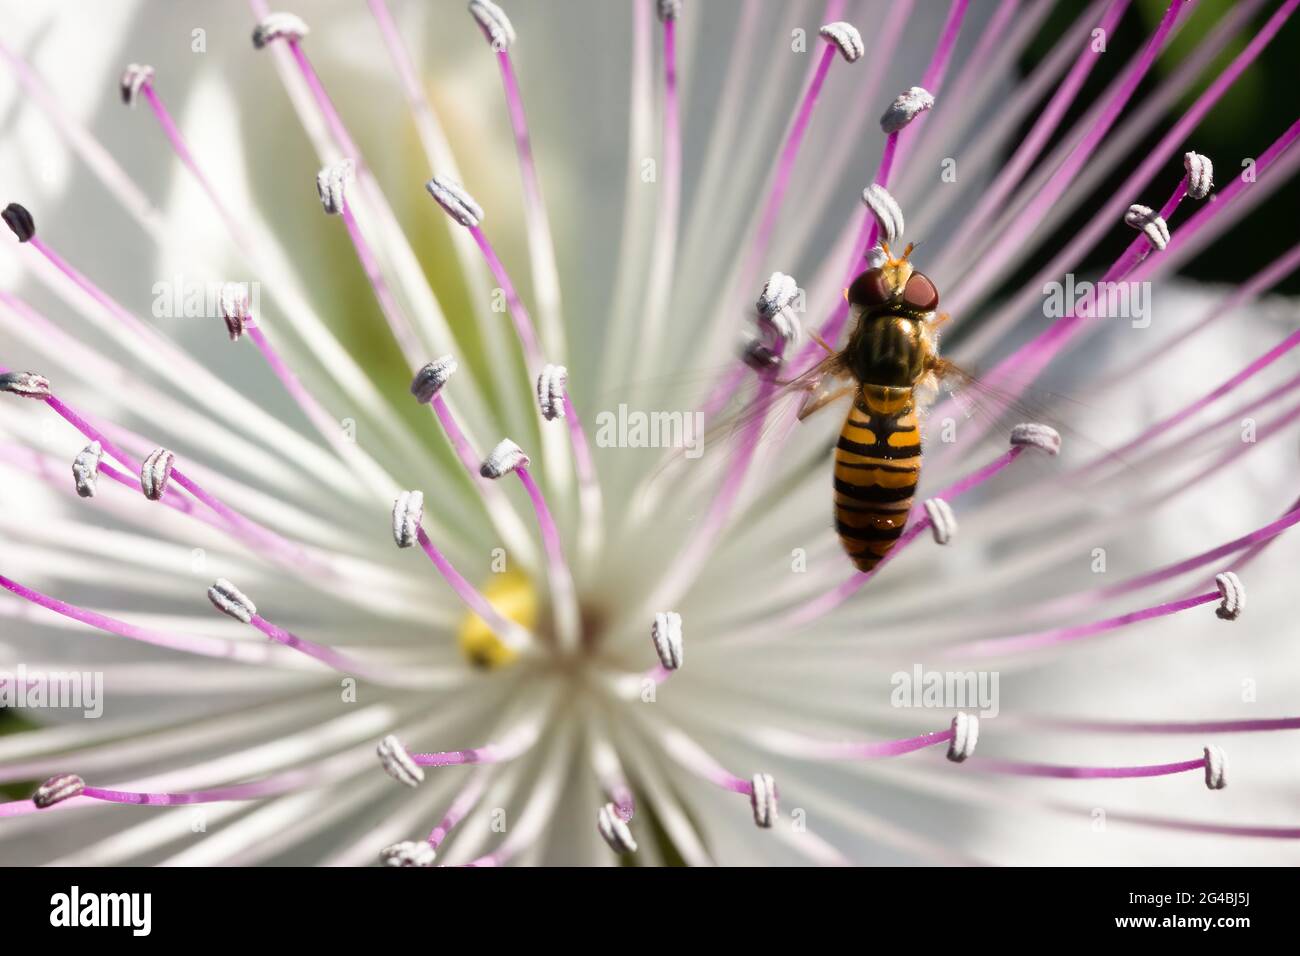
(877, 464)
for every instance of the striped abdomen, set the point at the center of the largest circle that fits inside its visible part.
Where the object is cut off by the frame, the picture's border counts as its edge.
(877, 464)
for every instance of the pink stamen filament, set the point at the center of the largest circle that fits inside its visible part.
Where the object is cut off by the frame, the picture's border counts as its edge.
(1017, 768)
(564, 598)
(1171, 727)
(541, 245)
(1061, 635)
(590, 500)
(407, 339)
(464, 802)
(808, 748)
(511, 634)
(523, 323)
(507, 749)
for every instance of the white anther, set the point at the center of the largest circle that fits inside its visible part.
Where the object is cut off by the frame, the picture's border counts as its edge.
(1234, 596)
(1200, 175)
(846, 37)
(778, 292)
(494, 23)
(1216, 768)
(906, 107)
(503, 459)
(886, 210)
(786, 325)
(85, 469)
(759, 356)
(135, 76)
(60, 787)
(234, 308)
(278, 26)
(398, 763)
(408, 853)
(762, 798)
(876, 256)
(408, 510)
(965, 734)
(943, 523)
(156, 472)
(1042, 437)
(456, 200)
(228, 599)
(669, 9)
(331, 185)
(1150, 223)
(666, 632)
(550, 391)
(429, 380)
(614, 830)
(26, 384)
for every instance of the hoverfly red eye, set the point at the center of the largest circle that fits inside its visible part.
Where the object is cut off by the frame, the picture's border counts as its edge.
(921, 294)
(869, 290)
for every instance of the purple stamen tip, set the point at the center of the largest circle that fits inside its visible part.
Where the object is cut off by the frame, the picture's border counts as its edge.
(26, 384)
(134, 78)
(846, 38)
(494, 23)
(228, 599)
(503, 459)
(18, 219)
(279, 26)
(63, 786)
(408, 853)
(156, 473)
(762, 798)
(614, 830)
(965, 734)
(908, 105)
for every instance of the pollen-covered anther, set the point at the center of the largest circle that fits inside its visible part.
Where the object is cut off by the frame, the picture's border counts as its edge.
(456, 200)
(846, 37)
(762, 798)
(228, 599)
(26, 384)
(886, 210)
(1043, 437)
(906, 107)
(331, 185)
(279, 26)
(494, 23)
(234, 308)
(60, 787)
(614, 830)
(397, 762)
(778, 292)
(1216, 768)
(550, 391)
(408, 853)
(20, 221)
(1233, 593)
(429, 380)
(666, 633)
(1150, 223)
(156, 472)
(669, 9)
(408, 511)
(965, 734)
(134, 77)
(503, 459)
(1200, 175)
(876, 256)
(759, 356)
(85, 469)
(943, 523)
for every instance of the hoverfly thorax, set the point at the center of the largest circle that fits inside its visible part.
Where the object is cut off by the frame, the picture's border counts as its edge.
(892, 344)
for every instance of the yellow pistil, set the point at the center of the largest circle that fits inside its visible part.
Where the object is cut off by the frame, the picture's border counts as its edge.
(513, 595)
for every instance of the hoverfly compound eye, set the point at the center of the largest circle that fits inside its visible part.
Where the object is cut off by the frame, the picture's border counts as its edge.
(869, 290)
(920, 293)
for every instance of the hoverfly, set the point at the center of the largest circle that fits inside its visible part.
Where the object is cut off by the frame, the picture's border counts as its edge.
(893, 362)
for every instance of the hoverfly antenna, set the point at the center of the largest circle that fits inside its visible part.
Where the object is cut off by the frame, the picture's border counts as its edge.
(885, 248)
(908, 251)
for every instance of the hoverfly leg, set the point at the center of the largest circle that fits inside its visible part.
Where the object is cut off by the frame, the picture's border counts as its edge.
(820, 398)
